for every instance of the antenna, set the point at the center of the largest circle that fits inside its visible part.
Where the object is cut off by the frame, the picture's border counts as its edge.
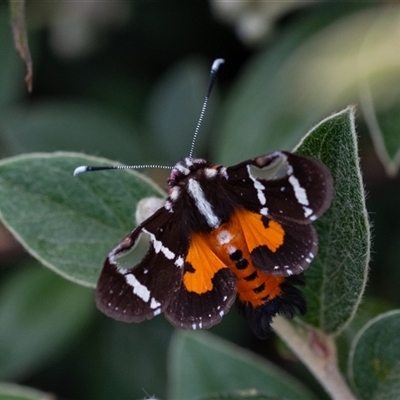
(213, 73)
(89, 168)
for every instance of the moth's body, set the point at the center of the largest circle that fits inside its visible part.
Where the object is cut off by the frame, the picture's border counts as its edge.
(224, 232)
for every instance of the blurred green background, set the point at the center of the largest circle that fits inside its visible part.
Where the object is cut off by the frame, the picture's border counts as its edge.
(126, 80)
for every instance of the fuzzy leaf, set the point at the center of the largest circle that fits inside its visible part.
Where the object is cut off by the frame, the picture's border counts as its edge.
(9, 391)
(65, 126)
(69, 223)
(201, 363)
(374, 362)
(336, 279)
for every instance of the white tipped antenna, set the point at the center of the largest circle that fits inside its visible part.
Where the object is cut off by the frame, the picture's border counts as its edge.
(88, 168)
(213, 73)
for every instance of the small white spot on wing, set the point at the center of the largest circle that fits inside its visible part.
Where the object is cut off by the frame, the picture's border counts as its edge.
(179, 262)
(307, 211)
(310, 257)
(154, 303)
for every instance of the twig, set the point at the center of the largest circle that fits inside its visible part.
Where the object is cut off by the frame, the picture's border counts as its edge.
(318, 352)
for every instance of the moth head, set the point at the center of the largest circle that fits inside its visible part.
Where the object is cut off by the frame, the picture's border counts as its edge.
(183, 169)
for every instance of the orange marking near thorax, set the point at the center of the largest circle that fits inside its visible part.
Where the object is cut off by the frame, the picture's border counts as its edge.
(210, 252)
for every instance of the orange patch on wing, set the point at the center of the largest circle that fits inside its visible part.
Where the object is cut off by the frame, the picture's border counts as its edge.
(205, 263)
(256, 234)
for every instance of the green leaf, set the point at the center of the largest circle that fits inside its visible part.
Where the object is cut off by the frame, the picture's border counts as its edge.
(374, 362)
(277, 98)
(313, 67)
(67, 126)
(9, 391)
(40, 314)
(369, 308)
(336, 279)
(69, 223)
(201, 363)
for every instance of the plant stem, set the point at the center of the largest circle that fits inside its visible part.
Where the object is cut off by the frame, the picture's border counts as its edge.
(318, 352)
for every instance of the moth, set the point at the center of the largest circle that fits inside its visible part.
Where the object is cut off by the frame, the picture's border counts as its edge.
(241, 233)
